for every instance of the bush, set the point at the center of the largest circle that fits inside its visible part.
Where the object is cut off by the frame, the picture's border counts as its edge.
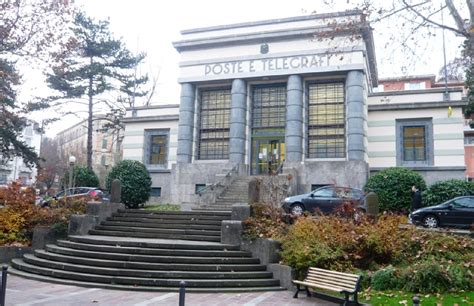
(266, 222)
(82, 177)
(136, 182)
(385, 279)
(341, 244)
(20, 215)
(393, 187)
(442, 191)
(426, 277)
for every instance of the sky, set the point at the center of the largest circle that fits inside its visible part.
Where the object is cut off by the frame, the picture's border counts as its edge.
(151, 27)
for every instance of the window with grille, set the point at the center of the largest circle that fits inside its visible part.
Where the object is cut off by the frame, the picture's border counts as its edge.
(269, 107)
(156, 148)
(214, 124)
(326, 121)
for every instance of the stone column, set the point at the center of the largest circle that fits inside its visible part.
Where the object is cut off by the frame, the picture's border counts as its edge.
(186, 124)
(356, 115)
(238, 119)
(294, 119)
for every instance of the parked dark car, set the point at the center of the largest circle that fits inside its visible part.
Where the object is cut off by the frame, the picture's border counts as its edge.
(326, 199)
(79, 193)
(457, 212)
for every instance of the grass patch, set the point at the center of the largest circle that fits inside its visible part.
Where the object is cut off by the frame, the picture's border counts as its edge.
(401, 298)
(163, 207)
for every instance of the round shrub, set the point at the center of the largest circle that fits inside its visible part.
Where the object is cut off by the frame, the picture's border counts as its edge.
(385, 279)
(444, 190)
(136, 182)
(393, 186)
(82, 177)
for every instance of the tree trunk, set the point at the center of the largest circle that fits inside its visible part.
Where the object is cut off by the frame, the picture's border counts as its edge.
(89, 126)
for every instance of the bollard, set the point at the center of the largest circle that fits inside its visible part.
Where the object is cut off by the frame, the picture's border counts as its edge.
(182, 292)
(416, 301)
(3, 285)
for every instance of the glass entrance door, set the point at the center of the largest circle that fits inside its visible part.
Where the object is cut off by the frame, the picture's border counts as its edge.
(267, 155)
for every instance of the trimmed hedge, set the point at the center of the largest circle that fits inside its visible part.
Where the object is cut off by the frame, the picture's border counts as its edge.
(393, 186)
(442, 191)
(136, 182)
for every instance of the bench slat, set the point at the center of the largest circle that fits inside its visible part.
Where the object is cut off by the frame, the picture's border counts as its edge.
(337, 289)
(331, 277)
(335, 273)
(333, 284)
(331, 281)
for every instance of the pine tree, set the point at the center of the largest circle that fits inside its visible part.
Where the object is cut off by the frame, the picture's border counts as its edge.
(94, 64)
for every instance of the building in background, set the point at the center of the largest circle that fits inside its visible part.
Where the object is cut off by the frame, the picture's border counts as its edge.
(106, 146)
(15, 169)
(151, 137)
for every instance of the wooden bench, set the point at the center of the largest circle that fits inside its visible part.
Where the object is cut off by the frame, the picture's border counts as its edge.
(343, 283)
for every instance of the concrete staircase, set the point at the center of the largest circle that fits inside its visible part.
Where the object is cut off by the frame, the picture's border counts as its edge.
(237, 192)
(142, 250)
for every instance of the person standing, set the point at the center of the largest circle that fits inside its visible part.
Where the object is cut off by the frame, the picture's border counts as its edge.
(415, 198)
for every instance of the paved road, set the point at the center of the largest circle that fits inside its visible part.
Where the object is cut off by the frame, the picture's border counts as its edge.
(21, 291)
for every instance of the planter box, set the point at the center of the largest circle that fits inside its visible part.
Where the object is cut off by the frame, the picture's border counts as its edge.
(43, 235)
(7, 253)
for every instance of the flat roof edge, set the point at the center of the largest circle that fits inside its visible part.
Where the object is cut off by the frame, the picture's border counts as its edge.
(271, 21)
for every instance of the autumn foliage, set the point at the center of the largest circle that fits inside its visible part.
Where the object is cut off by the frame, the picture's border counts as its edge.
(20, 215)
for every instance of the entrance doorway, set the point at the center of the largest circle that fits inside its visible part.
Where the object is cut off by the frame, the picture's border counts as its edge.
(267, 155)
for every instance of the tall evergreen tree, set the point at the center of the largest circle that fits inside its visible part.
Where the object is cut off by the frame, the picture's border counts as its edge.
(94, 64)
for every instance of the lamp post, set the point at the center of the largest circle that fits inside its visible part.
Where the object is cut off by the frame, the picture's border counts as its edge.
(72, 161)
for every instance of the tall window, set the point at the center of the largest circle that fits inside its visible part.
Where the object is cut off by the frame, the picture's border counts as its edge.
(326, 119)
(214, 124)
(269, 107)
(156, 148)
(414, 142)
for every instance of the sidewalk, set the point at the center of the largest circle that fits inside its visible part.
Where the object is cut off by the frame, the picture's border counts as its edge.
(21, 291)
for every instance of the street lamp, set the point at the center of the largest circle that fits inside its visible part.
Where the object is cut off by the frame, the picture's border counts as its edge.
(72, 161)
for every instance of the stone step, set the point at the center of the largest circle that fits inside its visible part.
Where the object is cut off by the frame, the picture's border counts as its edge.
(117, 233)
(212, 208)
(147, 265)
(169, 213)
(177, 226)
(151, 251)
(225, 203)
(140, 281)
(152, 243)
(232, 199)
(165, 221)
(149, 273)
(44, 278)
(150, 258)
(142, 229)
(173, 217)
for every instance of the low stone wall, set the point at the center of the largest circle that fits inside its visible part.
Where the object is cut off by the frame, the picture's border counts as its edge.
(7, 253)
(96, 212)
(266, 250)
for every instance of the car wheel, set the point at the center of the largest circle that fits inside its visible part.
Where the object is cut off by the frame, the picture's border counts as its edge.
(430, 221)
(297, 209)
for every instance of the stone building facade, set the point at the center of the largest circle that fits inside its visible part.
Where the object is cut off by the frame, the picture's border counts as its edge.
(269, 95)
(293, 96)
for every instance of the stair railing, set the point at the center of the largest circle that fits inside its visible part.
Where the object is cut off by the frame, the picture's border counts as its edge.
(210, 193)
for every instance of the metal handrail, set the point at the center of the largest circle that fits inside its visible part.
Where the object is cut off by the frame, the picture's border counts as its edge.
(219, 183)
(280, 167)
